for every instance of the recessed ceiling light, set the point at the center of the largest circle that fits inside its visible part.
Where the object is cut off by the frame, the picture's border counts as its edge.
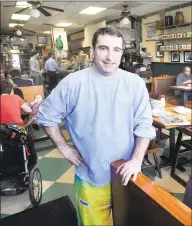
(20, 17)
(47, 32)
(92, 10)
(63, 24)
(13, 25)
(22, 4)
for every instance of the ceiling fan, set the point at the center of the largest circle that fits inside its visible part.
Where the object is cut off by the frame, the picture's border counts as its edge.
(18, 30)
(37, 7)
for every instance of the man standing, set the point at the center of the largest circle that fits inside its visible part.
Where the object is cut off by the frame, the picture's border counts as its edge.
(51, 67)
(182, 79)
(108, 115)
(35, 72)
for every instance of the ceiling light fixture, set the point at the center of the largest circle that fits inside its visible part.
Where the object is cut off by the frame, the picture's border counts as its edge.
(19, 32)
(35, 13)
(92, 10)
(13, 38)
(63, 24)
(125, 21)
(20, 17)
(22, 39)
(13, 25)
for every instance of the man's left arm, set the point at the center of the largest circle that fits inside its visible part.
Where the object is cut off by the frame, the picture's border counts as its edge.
(143, 132)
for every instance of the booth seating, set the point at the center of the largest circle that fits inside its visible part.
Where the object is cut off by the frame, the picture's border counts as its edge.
(161, 85)
(143, 202)
(29, 93)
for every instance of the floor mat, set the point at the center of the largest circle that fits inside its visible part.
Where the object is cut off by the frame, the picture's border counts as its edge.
(60, 212)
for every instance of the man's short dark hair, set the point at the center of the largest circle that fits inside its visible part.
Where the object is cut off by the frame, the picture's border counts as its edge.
(106, 31)
(5, 87)
(50, 54)
(15, 73)
(34, 53)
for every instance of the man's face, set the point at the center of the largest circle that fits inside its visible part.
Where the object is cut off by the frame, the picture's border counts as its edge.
(187, 71)
(107, 54)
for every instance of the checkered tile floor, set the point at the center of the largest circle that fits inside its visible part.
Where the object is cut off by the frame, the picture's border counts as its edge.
(58, 176)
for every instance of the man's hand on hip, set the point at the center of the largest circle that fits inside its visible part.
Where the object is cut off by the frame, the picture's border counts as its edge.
(128, 169)
(73, 155)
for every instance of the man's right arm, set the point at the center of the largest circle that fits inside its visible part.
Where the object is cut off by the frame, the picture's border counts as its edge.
(51, 111)
(68, 151)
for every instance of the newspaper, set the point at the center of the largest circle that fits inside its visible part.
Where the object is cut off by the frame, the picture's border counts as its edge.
(173, 120)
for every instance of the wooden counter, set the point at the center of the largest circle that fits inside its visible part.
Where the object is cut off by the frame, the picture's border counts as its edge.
(144, 203)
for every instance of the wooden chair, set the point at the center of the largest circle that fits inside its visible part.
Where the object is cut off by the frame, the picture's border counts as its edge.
(29, 92)
(152, 149)
(143, 202)
(187, 144)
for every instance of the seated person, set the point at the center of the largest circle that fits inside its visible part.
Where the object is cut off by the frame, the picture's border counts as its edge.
(11, 105)
(20, 82)
(16, 90)
(182, 79)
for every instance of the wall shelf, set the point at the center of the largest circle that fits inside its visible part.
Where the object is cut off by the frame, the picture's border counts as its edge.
(174, 39)
(174, 26)
(179, 50)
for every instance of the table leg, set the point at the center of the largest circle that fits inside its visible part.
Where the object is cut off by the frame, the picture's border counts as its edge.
(168, 161)
(182, 98)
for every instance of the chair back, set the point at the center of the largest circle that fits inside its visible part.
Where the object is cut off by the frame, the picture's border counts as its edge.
(162, 85)
(29, 92)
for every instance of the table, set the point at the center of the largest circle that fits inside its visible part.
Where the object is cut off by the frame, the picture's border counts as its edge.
(182, 89)
(159, 124)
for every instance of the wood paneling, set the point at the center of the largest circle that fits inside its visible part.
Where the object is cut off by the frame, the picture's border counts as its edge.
(142, 202)
(29, 92)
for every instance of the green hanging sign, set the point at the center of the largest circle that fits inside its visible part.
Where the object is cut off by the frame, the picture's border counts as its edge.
(59, 43)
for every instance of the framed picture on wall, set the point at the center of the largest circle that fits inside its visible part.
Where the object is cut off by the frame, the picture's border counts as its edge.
(188, 56)
(175, 56)
(159, 53)
(150, 30)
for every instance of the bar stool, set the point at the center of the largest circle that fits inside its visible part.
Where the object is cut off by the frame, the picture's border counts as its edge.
(152, 149)
(188, 147)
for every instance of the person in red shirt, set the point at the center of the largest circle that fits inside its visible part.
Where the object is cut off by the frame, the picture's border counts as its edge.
(11, 105)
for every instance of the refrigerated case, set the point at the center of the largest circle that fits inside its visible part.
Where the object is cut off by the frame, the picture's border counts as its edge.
(16, 64)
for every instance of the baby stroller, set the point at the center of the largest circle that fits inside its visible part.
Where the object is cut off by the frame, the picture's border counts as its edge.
(17, 163)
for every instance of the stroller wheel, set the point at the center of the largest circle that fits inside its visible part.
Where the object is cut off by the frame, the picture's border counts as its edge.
(35, 186)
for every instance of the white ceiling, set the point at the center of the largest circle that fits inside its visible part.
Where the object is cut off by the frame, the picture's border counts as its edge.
(72, 9)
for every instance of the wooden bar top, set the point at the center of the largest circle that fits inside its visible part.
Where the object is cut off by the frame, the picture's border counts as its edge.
(159, 195)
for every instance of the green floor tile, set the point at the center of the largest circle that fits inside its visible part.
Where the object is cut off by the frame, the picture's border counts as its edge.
(58, 190)
(179, 196)
(150, 172)
(41, 144)
(52, 168)
(43, 153)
